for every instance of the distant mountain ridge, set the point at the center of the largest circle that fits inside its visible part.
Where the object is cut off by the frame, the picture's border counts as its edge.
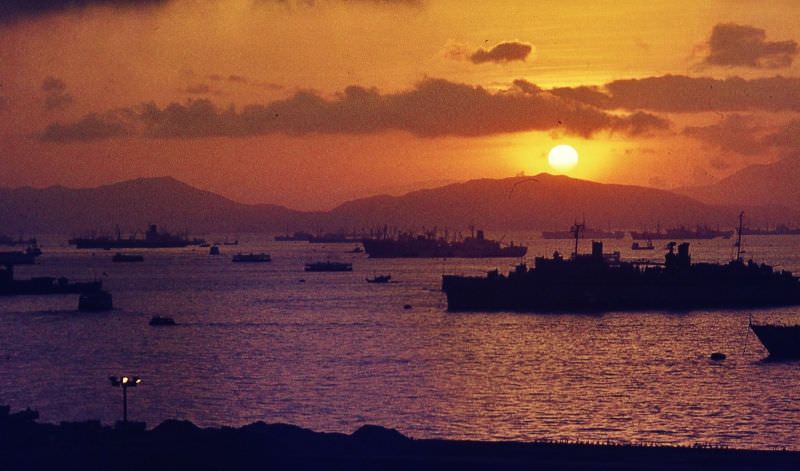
(519, 203)
(776, 184)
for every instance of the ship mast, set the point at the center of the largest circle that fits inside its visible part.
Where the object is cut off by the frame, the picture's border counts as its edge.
(739, 238)
(577, 230)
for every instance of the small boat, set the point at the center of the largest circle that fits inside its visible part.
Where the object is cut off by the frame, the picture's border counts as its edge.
(356, 249)
(329, 266)
(205, 245)
(781, 341)
(226, 242)
(638, 246)
(379, 279)
(126, 257)
(214, 250)
(162, 321)
(251, 258)
(94, 301)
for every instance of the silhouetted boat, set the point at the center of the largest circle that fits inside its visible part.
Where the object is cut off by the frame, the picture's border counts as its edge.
(124, 257)
(422, 246)
(156, 321)
(781, 341)
(603, 282)
(251, 258)
(19, 257)
(587, 234)
(329, 266)
(99, 300)
(379, 279)
(682, 233)
(356, 249)
(214, 250)
(638, 246)
(781, 229)
(8, 240)
(296, 237)
(232, 242)
(153, 239)
(333, 238)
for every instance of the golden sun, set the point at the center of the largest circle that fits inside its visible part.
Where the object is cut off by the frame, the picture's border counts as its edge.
(563, 157)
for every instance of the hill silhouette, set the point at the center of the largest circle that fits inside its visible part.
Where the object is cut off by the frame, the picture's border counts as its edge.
(520, 203)
(774, 185)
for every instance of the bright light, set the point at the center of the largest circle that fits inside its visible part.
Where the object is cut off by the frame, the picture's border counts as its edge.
(124, 380)
(138, 381)
(563, 157)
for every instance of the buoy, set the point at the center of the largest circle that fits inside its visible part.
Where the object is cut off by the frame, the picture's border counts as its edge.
(718, 356)
(407, 306)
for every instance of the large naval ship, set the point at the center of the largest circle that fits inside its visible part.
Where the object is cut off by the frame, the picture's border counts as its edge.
(604, 282)
(426, 246)
(153, 239)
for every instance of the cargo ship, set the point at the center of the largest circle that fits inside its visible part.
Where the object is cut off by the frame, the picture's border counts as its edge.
(153, 239)
(422, 246)
(682, 233)
(588, 233)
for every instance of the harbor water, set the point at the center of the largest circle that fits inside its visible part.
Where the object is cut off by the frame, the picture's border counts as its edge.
(331, 352)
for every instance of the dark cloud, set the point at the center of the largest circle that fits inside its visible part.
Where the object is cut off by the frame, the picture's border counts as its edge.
(734, 133)
(677, 93)
(91, 127)
(504, 52)
(14, 10)
(736, 45)
(198, 89)
(507, 51)
(56, 97)
(433, 108)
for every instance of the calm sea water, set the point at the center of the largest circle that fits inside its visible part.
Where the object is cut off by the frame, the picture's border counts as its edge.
(333, 352)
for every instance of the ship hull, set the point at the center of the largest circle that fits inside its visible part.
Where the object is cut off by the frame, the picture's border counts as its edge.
(504, 294)
(379, 248)
(128, 244)
(780, 341)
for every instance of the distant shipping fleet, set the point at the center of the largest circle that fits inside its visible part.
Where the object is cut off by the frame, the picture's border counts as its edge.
(590, 282)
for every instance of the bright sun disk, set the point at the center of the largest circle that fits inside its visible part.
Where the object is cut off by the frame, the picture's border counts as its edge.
(563, 157)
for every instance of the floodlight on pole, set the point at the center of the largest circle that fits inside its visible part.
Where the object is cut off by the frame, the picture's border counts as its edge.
(125, 382)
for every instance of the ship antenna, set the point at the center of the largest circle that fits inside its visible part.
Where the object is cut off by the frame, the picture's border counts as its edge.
(739, 237)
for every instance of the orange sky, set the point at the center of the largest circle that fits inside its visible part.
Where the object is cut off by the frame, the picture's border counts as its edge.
(309, 103)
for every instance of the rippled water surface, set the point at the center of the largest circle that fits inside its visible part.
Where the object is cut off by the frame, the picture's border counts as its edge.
(334, 352)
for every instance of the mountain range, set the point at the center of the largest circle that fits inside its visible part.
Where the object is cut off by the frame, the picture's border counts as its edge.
(520, 203)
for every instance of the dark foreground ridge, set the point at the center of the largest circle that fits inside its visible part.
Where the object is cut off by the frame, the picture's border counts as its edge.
(175, 444)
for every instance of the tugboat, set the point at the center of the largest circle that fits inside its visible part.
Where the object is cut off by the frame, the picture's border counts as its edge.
(94, 301)
(122, 257)
(428, 246)
(603, 282)
(329, 266)
(379, 279)
(214, 250)
(781, 341)
(251, 258)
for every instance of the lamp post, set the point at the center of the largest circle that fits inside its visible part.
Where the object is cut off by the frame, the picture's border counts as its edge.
(125, 382)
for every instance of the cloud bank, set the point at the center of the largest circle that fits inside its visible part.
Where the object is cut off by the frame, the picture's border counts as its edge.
(735, 45)
(433, 108)
(504, 52)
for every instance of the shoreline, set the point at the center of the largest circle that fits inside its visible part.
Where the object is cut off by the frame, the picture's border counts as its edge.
(26, 443)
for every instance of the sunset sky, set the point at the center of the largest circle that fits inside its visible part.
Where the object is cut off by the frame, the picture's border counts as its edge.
(307, 103)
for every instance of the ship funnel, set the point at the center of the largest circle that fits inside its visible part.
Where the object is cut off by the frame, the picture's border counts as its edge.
(480, 235)
(597, 249)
